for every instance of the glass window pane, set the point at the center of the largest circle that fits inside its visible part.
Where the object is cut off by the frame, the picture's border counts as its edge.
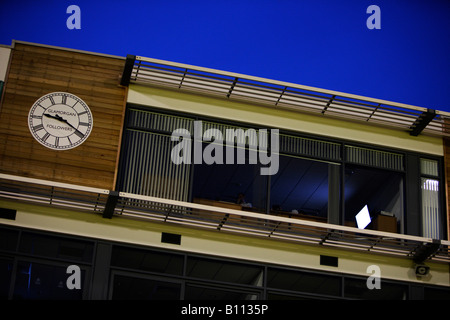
(35, 281)
(232, 185)
(198, 292)
(382, 191)
(431, 225)
(429, 167)
(146, 260)
(303, 282)
(6, 266)
(357, 289)
(8, 239)
(224, 271)
(56, 247)
(301, 189)
(281, 296)
(134, 288)
(436, 293)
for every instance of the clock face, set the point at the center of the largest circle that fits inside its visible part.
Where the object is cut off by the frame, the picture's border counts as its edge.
(60, 121)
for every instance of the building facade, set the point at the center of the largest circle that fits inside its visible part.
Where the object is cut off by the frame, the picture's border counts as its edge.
(135, 178)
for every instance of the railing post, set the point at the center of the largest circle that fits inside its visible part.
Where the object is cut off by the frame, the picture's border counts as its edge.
(111, 204)
(127, 70)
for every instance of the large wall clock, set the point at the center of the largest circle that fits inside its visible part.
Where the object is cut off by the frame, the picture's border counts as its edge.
(60, 121)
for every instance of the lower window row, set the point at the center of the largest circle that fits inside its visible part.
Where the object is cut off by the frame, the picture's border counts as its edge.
(37, 280)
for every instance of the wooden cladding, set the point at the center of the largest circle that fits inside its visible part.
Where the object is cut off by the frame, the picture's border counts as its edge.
(35, 71)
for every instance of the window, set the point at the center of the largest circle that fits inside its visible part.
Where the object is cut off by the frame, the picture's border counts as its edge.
(295, 281)
(39, 281)
(382, 191)
(234, 185)
(6, 266)
(303, 188)
(430, 199)
(8, 239)
(224, 271)
(208, 292)
(147, 167)
(50, 246)
(146, 260)
(317, 179)
(126, 287)
(436, 293)
(357, 289)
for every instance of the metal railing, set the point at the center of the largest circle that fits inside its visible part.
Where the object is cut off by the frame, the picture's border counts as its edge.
(284, 95)
(120, 204)
(53, 193)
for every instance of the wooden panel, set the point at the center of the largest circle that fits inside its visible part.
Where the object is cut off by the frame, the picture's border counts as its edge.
(385, 223)
(36, 71)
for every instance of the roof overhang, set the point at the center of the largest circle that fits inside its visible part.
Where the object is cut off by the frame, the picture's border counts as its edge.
(283, 95)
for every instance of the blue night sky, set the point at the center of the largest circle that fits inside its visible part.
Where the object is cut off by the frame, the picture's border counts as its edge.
(321, 43)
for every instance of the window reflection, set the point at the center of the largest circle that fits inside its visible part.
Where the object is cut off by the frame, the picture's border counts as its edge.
(36, 281)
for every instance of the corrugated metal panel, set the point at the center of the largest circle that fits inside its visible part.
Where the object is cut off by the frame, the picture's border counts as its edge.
(152, 121)
(374, 158)
(310, 147)
(236, 134)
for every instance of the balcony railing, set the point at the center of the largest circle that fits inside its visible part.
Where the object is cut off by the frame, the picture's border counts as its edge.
(284, 95)
(119, 205)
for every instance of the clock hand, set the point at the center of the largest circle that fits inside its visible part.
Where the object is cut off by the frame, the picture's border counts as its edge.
(50, 116)
(59, 118)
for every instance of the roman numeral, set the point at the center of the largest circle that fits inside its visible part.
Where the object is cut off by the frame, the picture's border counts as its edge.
(37, 117)
(64, 99)
(81, 113)
(84, 124)
(38, 127)
(45, 137)
(51, 100)
(56, 141)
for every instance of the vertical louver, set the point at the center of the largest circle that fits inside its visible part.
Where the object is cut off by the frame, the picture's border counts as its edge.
(430, 208)
(431, 226)
(374, 158)
(310, 147)
(156, 122)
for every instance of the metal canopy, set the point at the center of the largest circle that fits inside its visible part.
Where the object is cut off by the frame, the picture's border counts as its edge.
(119, 205)
(283, 95)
